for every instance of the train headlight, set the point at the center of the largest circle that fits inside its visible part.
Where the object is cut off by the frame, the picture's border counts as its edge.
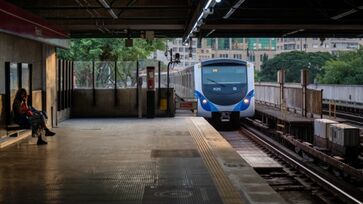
(246, 101)
(204, 101)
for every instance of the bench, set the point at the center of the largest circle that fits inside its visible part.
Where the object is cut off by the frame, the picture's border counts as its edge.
(20, 135)
(13, 134)
(14, 130)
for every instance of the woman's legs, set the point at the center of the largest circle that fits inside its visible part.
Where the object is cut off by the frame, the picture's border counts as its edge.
(38, 125)
(43, 116)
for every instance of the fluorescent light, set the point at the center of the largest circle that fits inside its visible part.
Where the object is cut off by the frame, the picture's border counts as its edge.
(104, 4)
(109, 9)
(347, 13)
(218, 1)
(112, 13)
(202, 15)
(233, 9)
(208, 4)
(238, 4)
(212, 31)
(293, 32)
(229, 13)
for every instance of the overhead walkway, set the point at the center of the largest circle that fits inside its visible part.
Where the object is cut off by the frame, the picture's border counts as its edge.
(164, 160)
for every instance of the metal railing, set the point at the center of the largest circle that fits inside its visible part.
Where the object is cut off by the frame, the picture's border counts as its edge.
(292, 98)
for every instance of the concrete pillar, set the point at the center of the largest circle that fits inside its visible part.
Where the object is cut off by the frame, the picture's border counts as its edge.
(49, 62)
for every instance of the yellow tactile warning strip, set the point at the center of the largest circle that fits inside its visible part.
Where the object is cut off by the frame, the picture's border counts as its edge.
(225, 188)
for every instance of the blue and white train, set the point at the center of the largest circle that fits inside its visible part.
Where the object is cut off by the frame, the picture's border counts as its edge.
(224, 88)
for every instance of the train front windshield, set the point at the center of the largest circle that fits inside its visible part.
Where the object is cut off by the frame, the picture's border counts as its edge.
(225, 75)
(227, 81)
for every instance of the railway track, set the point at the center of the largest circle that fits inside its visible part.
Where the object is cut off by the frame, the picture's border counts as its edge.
(309, 177)
(352, 118)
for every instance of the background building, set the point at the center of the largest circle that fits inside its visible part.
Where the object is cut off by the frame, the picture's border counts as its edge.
(332, 45)
(252, 49)
(255, 50)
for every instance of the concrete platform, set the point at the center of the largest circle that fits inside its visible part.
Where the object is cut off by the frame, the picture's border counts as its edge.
(167, 160)
(253, 155)
(287, 116)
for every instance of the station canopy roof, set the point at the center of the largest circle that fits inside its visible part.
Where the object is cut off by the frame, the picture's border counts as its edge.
(176, 18)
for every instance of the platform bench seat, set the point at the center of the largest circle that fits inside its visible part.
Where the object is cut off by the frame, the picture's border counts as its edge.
(13, 127)
(15, 136)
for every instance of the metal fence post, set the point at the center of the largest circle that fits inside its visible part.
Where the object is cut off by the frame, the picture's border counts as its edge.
(304, 82)
(281, 81)
(137, 86)
(139, 98)
(115, 85)
(321, 101)
(93, 84)
(159, 83)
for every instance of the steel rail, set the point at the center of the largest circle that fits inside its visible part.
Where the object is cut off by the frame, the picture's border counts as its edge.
(307, 170)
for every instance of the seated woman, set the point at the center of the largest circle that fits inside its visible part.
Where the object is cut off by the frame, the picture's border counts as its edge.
(29, 117)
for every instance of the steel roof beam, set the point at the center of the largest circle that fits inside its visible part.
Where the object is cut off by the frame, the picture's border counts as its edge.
(150, 7)
(130, 26)
(122, 18)
(113, 7)
(327, 27)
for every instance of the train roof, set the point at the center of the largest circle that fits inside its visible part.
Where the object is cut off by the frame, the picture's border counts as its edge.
(224, 61)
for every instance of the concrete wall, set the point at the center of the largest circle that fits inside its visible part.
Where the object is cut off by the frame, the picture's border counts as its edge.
(62, 116)
(105, 105)
(19, 50)
(2, 116)
(269, 93)
(344, 93)
(43, 58)
(50, 65)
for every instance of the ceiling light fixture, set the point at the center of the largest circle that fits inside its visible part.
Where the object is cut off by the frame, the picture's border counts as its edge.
(208, 9)
(293, 32)
(212, 31)
(108, 8)
(344, 14)
(233, 9)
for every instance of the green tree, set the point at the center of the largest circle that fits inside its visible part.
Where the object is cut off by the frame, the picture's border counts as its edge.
(106, 50)
(347, 68)
(293, 62)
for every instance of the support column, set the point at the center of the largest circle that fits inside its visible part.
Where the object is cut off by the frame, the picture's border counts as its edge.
(304, 81)
(49, 58)
(281, 81)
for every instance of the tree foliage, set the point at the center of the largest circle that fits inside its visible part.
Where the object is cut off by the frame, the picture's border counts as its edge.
(105, 51)
(110, 49)
(293, 62)
(347, 68)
